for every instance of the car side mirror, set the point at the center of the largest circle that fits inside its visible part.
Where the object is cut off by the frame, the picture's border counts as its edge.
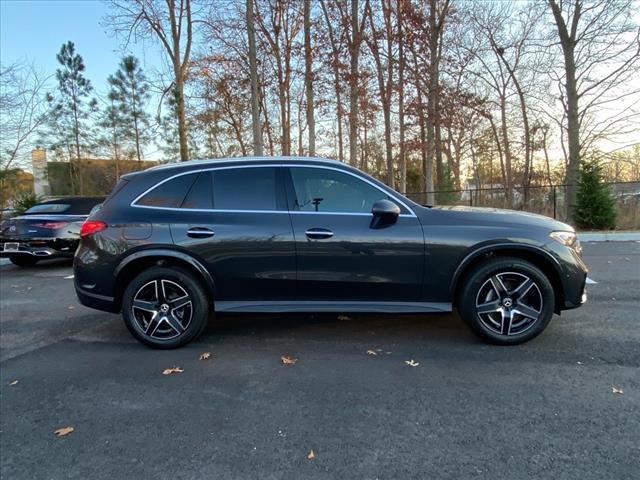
(385, 212)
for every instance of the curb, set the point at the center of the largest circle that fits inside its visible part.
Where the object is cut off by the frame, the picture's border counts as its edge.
(609, 236)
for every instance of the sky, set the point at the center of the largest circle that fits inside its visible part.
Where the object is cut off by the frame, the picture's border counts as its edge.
(35, 30)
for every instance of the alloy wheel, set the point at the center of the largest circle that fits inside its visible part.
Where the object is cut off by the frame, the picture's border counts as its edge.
(162, 309)
(509, 303)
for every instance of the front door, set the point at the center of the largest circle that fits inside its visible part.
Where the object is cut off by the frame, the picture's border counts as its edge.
(341, 254)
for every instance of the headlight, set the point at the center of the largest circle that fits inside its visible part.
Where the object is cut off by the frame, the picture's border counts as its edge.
(569, 239)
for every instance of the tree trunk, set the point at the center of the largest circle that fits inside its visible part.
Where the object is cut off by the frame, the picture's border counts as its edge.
(308, 78)
(403, 159)
(507, 150)
(568, 42)
(335, 52)
(354, 51)
(427, 158)
(253, 72)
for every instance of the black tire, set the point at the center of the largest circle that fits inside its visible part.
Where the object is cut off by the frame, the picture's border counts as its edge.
(490, 301)
(160, 330)
(23, 260)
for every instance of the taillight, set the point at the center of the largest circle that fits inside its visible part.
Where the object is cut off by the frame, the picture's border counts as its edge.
(51, 225)
(89, 227)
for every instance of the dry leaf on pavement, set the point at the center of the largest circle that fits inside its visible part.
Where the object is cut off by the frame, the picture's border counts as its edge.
(619, 391)
(288, 360)
(169, 371)
(411, 363)
(61, 432)
(15, 382)
(371, 352)
(311, 455)
(205, 356)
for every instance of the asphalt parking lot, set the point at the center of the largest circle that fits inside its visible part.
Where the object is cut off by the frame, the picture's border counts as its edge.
(546, 409)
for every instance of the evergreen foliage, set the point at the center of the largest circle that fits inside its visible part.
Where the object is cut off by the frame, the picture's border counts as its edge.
(595, 207)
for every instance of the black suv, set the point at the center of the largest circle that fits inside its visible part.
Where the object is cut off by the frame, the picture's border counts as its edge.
(175, 243)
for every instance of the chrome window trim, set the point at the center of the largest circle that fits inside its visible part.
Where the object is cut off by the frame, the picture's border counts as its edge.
(268, 165)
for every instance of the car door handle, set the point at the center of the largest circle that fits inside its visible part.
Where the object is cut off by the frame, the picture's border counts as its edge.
(200, 232)
(318, 233)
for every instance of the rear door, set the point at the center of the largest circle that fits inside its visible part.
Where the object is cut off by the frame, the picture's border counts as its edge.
(236, 221)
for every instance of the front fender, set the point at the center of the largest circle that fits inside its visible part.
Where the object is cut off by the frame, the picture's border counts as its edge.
(481, 251)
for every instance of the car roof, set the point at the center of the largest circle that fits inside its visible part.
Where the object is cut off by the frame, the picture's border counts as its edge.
(244, 160)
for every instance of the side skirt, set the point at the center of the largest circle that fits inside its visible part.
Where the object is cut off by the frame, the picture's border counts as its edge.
(311, 306)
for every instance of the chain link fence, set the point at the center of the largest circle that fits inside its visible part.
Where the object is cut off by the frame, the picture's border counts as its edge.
(546, 200)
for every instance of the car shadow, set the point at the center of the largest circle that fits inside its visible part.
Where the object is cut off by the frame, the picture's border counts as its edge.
(446, 329)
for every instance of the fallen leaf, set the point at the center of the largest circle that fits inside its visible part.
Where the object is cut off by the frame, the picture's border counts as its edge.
(619, 391)
(371, 352)
(61, 432)
(344, 317)
(169, 371)
(205, 356)
(311, 455)
(288, 360)
(411, 363)
(15, 382)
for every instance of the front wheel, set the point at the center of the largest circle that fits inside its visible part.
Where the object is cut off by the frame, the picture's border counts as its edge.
(165, 307)
(507, 301)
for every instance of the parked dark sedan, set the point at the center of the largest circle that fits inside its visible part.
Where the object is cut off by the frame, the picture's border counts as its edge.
(47, 230)
(175, 243)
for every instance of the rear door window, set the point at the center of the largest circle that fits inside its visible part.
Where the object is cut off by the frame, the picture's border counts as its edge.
(245, 189)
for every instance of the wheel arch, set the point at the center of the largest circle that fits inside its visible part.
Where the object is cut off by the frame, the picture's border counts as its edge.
(537, 256)
(134, 263)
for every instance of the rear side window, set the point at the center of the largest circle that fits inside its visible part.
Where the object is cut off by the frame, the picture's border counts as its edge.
(200, 195)
(169, 194)
(245, 189)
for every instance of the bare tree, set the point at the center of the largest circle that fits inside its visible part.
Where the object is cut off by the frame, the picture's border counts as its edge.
(171, 23)
(22, 112)
(354, 41)
(279, 22)
(383, 58)
(308, 77)
(253, 72)
(600, 44)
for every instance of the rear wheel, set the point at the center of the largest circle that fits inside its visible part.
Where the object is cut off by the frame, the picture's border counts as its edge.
(165, 307)
(507, 301)
(23, 260)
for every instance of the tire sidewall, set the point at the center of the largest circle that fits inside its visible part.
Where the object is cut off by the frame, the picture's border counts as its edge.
(193, 288)
(469, 292)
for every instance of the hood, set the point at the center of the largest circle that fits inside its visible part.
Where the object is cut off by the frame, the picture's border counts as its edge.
(497, 217)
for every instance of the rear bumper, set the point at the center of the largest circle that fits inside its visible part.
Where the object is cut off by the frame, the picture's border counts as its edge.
(39, 247)
(93, 300)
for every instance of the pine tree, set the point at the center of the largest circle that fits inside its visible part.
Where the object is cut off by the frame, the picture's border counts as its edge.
(113, 131)
(71, 109)
(595, 207)
(130, 91)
